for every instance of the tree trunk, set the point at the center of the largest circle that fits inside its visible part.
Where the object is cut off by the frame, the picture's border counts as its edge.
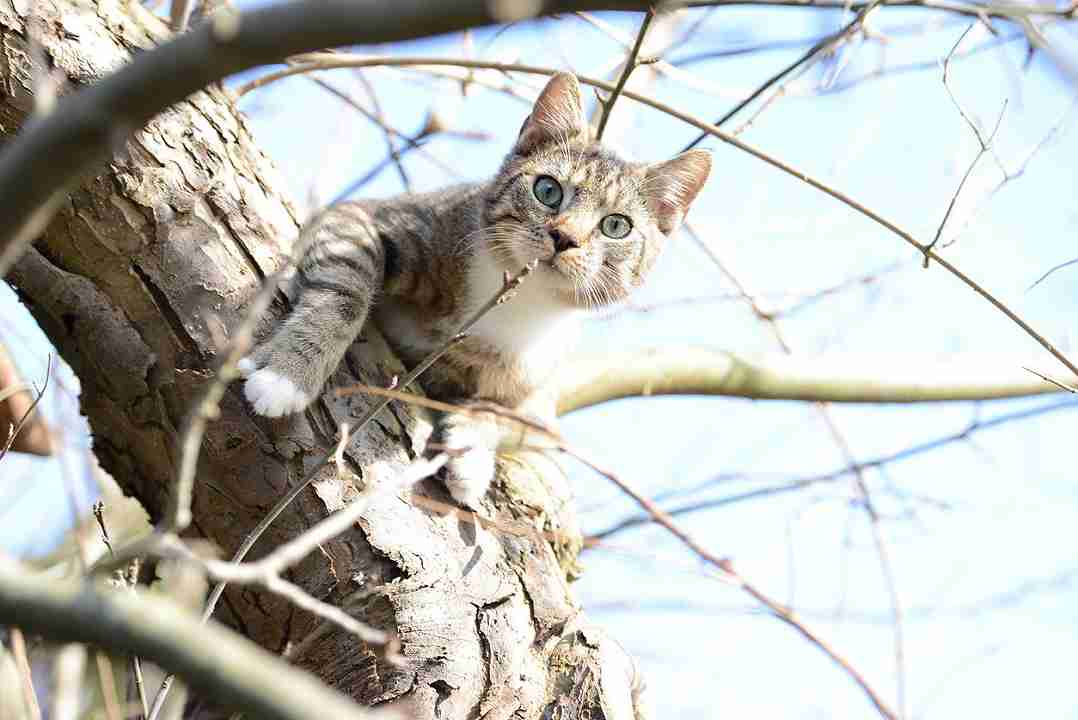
(136, 280)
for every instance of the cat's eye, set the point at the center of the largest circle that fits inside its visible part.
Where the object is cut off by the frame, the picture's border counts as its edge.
(547, 191)
(616, 226)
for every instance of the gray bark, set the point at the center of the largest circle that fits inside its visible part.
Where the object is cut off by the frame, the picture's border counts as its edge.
(150, 261)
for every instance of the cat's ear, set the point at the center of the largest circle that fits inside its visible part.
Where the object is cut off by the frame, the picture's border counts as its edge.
(671, 186)
(558, 114)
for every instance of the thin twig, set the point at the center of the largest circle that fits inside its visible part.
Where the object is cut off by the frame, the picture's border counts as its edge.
(377, 118)
(1011, 175)
(68, 670)
(130, 580)
(985, 143)
(22, 664)
(822, 478)
(1001, 10)
(825, 45)
(631, 63)
(13, 432)
(107, 677)
(215, 661)
(859, 478)
(380, 117)
(655, 61)
(1044, 277)
(1053, 381)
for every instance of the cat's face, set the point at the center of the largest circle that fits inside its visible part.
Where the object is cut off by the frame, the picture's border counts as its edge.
(595, 222)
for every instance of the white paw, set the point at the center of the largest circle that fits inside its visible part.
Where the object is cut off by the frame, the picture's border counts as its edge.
(469, 474)
(246, 366)
(469, 485)
(273, 395)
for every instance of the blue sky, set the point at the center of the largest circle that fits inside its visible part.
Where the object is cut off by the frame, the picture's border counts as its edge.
(980, 533)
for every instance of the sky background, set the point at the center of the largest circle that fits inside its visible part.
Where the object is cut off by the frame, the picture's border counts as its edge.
(981, 533)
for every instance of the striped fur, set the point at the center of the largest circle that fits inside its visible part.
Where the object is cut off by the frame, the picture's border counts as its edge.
(421, 264)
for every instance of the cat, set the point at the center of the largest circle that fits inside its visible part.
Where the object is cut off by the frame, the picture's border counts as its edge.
(422, 264)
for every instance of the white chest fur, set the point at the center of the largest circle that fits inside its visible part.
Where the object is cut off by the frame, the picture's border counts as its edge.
(534, 326)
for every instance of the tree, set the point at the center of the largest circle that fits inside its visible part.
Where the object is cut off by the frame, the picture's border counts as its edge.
(158, 259)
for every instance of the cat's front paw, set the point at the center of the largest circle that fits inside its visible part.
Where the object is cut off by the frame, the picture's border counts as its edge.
(469, 471)
(272, 392)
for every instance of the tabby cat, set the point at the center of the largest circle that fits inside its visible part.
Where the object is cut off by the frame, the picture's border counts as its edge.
(422, 264)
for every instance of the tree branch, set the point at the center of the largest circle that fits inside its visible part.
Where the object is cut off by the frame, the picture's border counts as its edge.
(236, 673)
(1002, 10)
(631, 63)
(796, 485)
(688, 370)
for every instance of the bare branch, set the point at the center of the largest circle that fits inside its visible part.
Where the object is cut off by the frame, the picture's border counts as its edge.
(825, 45)
(22, 663)
(985, 143)
(1001, 10)
(236, 673)
(631, 63)
(1060, 266)
(14, 430)
(823, 478)
(860, 484)
(130, 580)
(688, 370)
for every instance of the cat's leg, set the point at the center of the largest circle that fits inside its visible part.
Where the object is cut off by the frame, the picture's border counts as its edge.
(472, 442)
(337, 279)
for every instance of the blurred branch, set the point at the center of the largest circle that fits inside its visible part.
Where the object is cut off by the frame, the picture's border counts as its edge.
(1037, 39)
(791, 44)
(992, 43)
(68, 669)
(687, 370)
(237, 673)
(860, 485)
(828, 477)
(130, 582)
(22, 664)
(1001, 10)
(655, 61)
(1052, 270)
(377, 117)
(779, 303)
(16, 413)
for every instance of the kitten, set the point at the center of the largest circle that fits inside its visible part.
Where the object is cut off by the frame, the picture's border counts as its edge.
(421, 264)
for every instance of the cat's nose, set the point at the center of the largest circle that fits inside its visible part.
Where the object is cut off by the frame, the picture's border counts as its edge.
(562, 240)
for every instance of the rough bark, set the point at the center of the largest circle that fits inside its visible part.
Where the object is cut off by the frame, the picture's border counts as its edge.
(146, 266)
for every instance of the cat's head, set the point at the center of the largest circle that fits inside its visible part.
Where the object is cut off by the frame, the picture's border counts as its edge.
(595, 222)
